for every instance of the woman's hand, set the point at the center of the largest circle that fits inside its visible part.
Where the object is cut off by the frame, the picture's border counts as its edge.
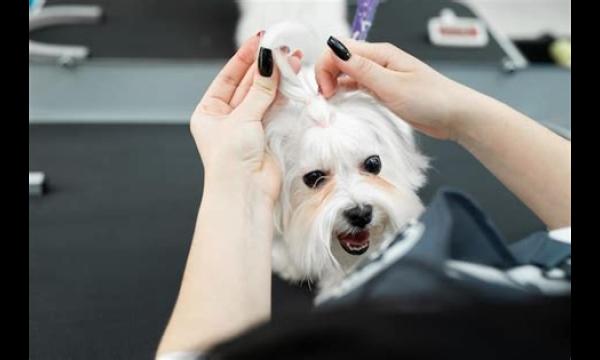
(226, 286)
(227, 123)
(418, 94)
(533, 162)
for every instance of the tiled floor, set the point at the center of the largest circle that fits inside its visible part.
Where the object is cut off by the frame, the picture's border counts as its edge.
(526, 19)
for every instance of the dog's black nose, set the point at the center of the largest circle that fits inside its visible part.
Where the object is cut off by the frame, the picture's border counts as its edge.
(359, 216)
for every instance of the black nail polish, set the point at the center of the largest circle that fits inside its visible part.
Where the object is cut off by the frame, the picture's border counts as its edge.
(265, 62)
(338, 48)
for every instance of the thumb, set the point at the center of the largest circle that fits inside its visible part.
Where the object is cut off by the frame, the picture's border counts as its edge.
(368, 73)
(263, 89)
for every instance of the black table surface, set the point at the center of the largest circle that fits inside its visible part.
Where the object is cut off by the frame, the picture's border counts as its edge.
(193, 29)
(108, 241)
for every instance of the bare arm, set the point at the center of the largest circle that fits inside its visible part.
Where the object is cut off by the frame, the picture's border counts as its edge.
(533, 162)
(226, 287)
(227, 280)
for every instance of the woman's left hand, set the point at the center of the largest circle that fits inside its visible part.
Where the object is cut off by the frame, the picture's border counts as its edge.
(227, 123)
(226, 285)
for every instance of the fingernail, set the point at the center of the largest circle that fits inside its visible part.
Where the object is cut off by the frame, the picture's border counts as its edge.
(265, 62)
(319, 91)
(338, 48)
(260, 33)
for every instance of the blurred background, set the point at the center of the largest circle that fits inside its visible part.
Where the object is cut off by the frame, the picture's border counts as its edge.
(112, 215)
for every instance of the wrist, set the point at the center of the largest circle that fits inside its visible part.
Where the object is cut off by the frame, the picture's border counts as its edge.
(234, 184)
(467, 111)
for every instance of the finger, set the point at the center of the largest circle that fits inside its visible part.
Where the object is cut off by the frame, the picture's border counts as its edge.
(213, 108)
(326, 73)
(229, 78)
(295, 61)
(242, 89)
(332, 62)
(368, 73)
(240, 93)
(329, 65)
(263, 89)
(347, 83)
(385, 54)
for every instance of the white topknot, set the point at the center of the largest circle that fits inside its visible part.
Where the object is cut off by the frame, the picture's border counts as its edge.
(301, 87)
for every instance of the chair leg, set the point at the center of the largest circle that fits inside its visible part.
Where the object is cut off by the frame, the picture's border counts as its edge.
(61, 15)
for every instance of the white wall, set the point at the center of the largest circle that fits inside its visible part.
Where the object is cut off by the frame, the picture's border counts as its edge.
(525, 19)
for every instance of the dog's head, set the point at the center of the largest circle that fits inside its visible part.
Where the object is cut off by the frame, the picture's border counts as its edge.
(350, 174)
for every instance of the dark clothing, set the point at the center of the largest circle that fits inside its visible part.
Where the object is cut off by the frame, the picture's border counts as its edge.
(447, 286)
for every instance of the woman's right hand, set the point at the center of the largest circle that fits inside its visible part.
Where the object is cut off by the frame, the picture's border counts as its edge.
(530, 160)
(427, 100)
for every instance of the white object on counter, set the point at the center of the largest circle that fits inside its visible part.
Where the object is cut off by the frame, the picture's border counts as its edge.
(449, 30)
(36, 183)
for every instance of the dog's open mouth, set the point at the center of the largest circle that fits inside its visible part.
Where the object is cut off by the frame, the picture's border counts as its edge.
(355, 243)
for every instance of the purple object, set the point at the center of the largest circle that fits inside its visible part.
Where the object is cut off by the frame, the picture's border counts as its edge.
(363, 19)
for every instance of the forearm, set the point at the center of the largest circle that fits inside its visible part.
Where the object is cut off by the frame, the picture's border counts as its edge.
(227, 280)
(532, 161)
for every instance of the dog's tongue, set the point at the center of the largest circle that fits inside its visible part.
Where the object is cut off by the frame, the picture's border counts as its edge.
(355, 239)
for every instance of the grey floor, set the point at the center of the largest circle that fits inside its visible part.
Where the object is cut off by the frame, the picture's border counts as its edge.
(108, 241)
(534, 18)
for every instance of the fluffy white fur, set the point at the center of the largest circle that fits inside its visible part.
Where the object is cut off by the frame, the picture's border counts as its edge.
(305, 132)
(324, 17)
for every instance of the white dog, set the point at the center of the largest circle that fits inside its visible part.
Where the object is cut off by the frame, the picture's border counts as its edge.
(350, 168)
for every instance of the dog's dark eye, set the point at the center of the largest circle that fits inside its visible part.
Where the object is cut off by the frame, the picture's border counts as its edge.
(314, 178)
(372, 164)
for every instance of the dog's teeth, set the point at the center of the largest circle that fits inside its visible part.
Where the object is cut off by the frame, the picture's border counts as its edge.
(359, 247)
